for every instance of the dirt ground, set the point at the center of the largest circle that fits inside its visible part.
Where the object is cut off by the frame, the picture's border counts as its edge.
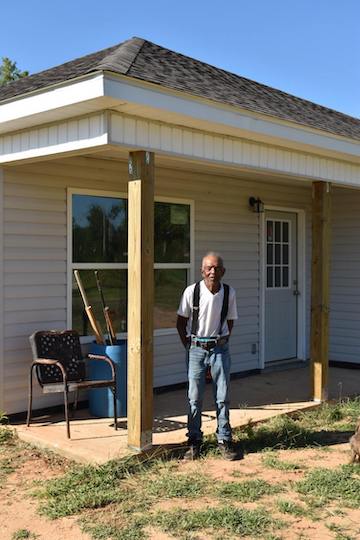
(18, 510)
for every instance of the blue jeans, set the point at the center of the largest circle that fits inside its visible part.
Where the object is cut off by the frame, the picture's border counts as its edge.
(219, 361)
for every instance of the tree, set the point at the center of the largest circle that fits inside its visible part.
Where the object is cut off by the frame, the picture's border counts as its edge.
(10, 72)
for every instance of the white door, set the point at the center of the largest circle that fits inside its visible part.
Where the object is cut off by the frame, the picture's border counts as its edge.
(281, 285)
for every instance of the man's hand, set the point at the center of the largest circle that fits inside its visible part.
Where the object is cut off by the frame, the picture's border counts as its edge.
(181, 328)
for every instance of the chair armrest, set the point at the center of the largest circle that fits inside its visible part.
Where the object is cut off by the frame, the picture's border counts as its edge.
(50, 362)
(104, 359)
(45, 361)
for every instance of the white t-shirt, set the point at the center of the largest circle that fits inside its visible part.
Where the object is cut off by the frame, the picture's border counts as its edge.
(209, 310)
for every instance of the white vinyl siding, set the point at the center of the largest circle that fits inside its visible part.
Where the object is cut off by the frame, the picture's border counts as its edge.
(35, 255)
(345, 277)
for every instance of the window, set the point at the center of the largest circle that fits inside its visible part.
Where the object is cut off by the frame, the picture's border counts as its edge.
(99, 242)
(277, 254)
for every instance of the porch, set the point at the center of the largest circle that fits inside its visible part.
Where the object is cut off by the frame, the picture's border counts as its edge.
(255, 398)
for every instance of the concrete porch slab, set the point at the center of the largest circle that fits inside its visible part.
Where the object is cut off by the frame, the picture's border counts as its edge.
(254, 398)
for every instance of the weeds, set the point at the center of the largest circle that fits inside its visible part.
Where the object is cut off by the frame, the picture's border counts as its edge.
(89, 487)
(339, 531)
(289, 507)
(238, 521)
(251, 490)
(272, 461)
(177, 486)
(23, 534)
(281, 432)
(340, 484)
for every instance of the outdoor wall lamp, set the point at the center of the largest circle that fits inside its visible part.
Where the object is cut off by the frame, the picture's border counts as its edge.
(256, 204)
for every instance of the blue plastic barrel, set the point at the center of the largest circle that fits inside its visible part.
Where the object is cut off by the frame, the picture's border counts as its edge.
(101, 401)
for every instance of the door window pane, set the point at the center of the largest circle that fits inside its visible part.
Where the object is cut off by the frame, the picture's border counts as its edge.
(277, 254)
(285, 282)
(285, 228)
(277, 276)
(285, 259)
(277, 231)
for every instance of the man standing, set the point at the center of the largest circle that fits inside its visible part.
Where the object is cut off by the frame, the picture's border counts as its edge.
(205, 319)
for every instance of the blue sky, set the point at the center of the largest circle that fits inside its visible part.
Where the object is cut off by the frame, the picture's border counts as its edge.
(309, 48)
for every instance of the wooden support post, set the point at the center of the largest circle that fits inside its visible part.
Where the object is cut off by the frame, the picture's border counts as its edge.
(320, 290)
(140, 299)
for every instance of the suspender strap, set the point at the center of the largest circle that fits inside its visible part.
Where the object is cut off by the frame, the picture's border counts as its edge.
(196, 302)
(225, 306)
(195, 312)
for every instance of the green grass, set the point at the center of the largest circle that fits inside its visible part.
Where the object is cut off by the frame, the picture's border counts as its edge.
(133, 530)
(251, 490)
(239, 521)
(131, 483)
(290, 507)
(341, 484)
(281, 432)
(340, 532)
(173, 486)
(118, 500)
(89, 487)
(23, 534)
(319, 427)
(271, 460)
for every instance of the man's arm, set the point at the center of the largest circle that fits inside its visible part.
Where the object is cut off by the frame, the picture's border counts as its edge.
(230, 324)
(181, 328)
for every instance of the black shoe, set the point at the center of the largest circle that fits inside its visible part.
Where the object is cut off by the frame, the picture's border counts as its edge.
(228, 450)
(193, 452)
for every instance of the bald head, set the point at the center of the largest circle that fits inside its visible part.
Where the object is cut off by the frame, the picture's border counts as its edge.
(213, 254)
(212, 270)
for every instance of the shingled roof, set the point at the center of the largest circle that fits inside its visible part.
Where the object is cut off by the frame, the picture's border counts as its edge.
(149, 62)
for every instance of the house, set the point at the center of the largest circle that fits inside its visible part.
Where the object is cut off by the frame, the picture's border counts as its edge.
(239, 168)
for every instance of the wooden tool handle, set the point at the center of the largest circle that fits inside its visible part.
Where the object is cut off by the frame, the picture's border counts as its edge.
(81, 288)
(109, 325)
(94, 325)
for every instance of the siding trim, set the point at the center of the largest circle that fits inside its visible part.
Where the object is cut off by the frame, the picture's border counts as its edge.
(301, 263)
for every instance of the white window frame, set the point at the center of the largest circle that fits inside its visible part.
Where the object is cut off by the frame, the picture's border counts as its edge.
(121, 266)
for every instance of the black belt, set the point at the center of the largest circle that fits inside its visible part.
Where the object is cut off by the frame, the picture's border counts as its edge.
(209, 344)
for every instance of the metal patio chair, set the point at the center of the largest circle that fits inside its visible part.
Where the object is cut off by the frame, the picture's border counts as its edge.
(60, 367)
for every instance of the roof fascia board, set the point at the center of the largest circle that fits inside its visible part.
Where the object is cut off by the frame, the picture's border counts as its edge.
(245, 123)
(59, 96)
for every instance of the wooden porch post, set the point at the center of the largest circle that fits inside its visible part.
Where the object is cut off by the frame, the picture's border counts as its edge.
(140, 299)
(320, 290)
